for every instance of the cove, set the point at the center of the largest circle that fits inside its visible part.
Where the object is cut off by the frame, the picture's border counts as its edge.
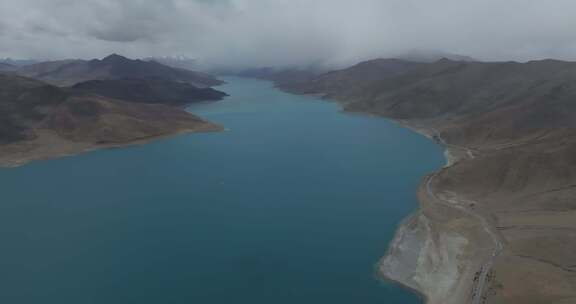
(294, 203)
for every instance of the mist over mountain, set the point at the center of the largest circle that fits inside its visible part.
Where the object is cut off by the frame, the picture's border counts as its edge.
(432, 56)
(18, 62)
(181, 62)
(253, 33)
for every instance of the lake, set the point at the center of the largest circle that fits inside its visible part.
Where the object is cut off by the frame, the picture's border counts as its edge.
(294, 203)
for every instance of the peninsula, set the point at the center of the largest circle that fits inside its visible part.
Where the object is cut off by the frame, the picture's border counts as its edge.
(133, 102)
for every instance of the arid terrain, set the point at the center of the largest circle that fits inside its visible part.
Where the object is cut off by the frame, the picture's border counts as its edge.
(41, 121)
(498, 223)
(112, 67)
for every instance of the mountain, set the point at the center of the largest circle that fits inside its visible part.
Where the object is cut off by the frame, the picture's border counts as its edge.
(470, 96)
(149, 90)
(345, 81)
(320, 80)
(5, 67)
(496, 225)
(39, 121)
(113, 67)
(283, 77)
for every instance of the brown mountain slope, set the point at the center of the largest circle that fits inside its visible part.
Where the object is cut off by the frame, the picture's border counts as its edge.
(345, 82)
(39, 121)
(497, 225)
(149, 91)
(70, 72)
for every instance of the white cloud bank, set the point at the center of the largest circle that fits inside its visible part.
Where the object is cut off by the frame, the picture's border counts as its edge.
(286, 32)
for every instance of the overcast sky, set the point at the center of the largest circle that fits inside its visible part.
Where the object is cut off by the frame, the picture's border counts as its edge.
(281, 32)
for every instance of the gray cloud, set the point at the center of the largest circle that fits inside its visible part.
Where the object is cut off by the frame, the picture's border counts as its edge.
(287, 32)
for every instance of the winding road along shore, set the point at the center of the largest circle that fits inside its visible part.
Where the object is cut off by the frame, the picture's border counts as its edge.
(478, 288)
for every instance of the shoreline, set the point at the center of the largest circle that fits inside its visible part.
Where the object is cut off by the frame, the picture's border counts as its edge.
(453, 155)
(71, 148)
(378, 267)
(402, 226)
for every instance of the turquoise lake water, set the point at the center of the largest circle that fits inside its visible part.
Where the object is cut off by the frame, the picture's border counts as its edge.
(295, 203)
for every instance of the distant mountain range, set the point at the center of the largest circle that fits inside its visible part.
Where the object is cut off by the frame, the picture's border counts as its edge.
(18, 62)
(5, 67)
(346, 81)
(113, 67)
(430, 56)
(284, 76)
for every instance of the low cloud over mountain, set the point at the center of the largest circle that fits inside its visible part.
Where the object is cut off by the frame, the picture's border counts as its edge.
(282, 32)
